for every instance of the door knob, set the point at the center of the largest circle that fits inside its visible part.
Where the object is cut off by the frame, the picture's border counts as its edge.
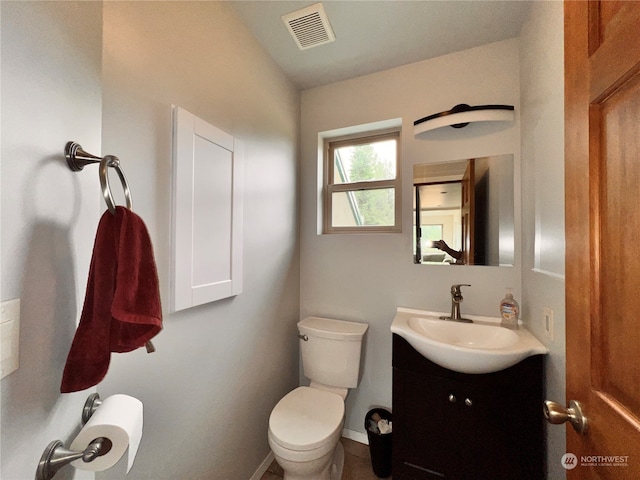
(557, 414)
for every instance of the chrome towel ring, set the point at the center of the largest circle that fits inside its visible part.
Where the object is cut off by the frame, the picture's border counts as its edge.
(77, 159)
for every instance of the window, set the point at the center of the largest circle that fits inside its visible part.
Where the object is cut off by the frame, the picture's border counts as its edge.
(431, 233)
(362, 184)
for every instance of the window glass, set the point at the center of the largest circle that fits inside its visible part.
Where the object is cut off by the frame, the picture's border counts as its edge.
(431, 233)
(362, 184)
(365, 163)
(363, 208)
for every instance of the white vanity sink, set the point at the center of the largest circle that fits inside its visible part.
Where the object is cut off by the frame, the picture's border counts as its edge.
(479, 347)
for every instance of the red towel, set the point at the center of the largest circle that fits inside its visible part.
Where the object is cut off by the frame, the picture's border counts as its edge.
(122, 308)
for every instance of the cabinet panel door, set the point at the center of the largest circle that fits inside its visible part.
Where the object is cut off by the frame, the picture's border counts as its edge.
(498, 431)
(207, 212)
(420, 417)
(481, 442)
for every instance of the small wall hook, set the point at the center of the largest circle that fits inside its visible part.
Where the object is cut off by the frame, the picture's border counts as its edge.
(56, 456)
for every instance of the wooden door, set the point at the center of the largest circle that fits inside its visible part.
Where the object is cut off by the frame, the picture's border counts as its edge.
(468, 213)
(602, 188)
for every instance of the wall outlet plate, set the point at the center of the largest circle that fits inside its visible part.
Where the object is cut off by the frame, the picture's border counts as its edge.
(547, 319)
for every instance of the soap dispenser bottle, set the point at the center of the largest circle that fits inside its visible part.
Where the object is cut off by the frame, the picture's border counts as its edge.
(509, 311)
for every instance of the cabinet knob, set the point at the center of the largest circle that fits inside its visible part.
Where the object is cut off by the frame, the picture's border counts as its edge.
(468, 402)
(452, 398)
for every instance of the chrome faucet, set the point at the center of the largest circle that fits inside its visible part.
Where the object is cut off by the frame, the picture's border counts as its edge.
(456, 300)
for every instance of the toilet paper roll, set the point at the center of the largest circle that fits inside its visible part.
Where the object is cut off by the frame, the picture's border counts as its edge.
(118, 418)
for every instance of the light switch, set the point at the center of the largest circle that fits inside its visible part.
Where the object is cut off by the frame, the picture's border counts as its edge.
(9, 335)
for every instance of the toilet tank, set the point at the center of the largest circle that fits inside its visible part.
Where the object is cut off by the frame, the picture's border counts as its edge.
(331, 353)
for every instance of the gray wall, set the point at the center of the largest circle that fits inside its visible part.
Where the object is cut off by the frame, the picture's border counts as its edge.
(542, 87)
(51, 93)
(365, 277)
(219, 368)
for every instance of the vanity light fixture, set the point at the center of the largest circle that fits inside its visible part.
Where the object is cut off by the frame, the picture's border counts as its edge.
(462, 115)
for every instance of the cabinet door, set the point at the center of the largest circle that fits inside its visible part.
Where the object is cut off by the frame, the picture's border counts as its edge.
(421, 420)
(480, 443)
(497, 433)
(207, 212)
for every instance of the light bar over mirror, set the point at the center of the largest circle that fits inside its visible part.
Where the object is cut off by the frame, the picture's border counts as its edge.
(462, 115)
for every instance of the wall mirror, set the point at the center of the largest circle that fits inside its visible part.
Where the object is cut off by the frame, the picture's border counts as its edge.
(464, 212)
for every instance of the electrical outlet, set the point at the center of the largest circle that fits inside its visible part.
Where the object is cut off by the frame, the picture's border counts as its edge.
(547, 325)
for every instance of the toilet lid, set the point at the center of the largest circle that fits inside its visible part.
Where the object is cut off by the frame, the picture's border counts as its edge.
(305, 418)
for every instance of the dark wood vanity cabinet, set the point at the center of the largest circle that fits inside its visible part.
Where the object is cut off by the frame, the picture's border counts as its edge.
(466, 427)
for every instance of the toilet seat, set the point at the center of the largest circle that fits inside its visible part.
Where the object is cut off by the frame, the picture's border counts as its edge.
(307, 419)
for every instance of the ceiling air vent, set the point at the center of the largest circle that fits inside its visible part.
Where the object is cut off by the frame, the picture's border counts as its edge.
(309, 27)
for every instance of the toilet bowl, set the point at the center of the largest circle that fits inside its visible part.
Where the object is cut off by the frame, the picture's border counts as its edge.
(304, 434)
(306, 424)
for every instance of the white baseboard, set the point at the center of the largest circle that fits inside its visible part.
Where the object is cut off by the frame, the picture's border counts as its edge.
(264, 466)
(355, 436)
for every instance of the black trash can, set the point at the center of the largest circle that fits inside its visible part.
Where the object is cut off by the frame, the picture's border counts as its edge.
(379, 443)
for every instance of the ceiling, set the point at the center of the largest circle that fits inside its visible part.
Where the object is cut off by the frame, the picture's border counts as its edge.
(375, 35)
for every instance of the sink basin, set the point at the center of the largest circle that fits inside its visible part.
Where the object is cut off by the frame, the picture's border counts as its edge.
(480, 347)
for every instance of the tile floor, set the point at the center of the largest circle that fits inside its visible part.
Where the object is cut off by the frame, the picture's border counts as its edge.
(357, 463)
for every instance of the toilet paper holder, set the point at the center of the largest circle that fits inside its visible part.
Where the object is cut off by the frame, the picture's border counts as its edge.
(56, 456)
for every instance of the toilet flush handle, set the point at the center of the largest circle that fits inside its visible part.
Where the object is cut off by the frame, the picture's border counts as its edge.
(303, 337)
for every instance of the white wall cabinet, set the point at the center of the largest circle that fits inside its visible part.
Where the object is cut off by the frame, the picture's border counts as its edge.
(207, 212)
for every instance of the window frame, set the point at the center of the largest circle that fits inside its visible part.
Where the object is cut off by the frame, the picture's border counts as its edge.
(329, 188)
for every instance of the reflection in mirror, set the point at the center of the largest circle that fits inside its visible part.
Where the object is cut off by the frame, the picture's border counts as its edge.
(466, 212)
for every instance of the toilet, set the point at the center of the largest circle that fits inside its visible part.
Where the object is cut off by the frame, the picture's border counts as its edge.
(306, 424)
